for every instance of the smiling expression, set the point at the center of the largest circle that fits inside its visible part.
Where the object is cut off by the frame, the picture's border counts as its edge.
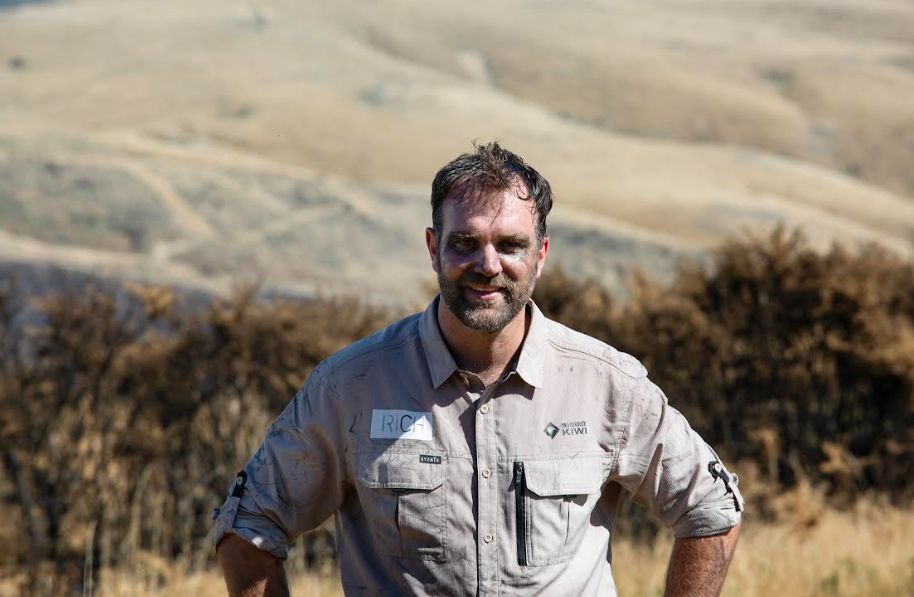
(487, 258)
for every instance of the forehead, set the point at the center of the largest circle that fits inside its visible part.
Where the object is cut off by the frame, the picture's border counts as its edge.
(500, 211)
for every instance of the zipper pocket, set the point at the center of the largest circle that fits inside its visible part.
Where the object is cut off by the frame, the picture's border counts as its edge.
(520, 513)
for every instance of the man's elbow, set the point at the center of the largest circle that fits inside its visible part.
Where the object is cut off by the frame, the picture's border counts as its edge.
(249, 571)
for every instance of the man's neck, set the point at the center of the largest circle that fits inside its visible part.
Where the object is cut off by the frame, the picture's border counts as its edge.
(485, 354)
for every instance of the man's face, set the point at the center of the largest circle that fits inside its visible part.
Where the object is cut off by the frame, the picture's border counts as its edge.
(487, 258)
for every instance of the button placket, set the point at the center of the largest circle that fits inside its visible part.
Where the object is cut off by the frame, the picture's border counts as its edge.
(487, 492)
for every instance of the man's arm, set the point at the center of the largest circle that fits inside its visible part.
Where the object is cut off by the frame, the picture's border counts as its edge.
(251, 572)
(698, 565)
(669, 468)
(295, 481)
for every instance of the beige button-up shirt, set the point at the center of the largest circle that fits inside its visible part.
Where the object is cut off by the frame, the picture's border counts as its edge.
(441, 486)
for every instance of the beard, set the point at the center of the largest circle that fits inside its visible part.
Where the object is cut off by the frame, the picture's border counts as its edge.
(481, 315)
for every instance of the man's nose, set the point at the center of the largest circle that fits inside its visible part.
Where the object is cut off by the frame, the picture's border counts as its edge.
(489, 263)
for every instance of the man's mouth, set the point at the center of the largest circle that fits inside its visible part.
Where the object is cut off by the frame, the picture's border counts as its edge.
(481, 292)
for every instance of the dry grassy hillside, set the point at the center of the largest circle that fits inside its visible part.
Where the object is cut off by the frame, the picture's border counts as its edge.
(293, 142)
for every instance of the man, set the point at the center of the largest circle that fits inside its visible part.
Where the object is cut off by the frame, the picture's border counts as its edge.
(479, 448)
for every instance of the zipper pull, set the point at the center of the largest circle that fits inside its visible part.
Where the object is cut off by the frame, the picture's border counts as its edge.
(518, 474)
(520, 513)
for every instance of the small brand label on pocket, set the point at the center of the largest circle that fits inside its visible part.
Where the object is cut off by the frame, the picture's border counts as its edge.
(428, 459)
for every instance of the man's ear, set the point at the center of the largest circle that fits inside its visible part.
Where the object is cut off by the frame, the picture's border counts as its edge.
(541, 256)
(431, 242)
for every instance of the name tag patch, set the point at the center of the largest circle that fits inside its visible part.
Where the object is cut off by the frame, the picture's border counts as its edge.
(429, 459)
(401, 424)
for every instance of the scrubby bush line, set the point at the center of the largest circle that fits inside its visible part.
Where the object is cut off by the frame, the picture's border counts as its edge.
(123, 415)
(123, 418)
(799, 362)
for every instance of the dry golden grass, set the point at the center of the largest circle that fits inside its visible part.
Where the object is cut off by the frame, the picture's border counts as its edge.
(866, 551)
(203, 584)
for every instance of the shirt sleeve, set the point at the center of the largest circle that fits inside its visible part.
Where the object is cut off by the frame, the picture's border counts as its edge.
(667, 467)
(295, 480)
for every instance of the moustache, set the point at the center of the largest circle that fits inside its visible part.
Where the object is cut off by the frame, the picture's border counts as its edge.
(498, 281)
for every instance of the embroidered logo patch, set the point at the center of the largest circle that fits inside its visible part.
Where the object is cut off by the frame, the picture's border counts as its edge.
(428, 459)
(401, 424)
(569, 428)
(574, 428)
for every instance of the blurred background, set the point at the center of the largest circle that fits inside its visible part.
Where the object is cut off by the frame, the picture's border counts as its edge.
(200, 200)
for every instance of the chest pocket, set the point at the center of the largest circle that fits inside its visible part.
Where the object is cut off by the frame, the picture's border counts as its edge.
(403, 497)
(553, 503)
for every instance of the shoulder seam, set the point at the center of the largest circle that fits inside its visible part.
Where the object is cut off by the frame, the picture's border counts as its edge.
(594, 355)
(334, 366)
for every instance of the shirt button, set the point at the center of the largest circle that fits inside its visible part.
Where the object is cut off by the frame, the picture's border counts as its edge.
(486, 473)
(489, 538)
(484, 408)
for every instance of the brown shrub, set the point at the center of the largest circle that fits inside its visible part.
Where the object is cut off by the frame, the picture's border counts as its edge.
(799, 361)
(124, 414)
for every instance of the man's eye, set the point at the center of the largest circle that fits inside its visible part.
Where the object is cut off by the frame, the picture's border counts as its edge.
(462, 245)
(512, 247)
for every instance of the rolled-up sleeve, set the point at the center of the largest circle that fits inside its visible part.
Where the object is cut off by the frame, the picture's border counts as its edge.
(667, 467)
(296, 478)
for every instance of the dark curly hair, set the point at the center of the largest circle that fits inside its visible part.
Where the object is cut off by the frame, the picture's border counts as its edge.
(491, 169)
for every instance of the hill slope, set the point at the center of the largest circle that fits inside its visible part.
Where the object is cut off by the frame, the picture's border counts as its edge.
(294, 142)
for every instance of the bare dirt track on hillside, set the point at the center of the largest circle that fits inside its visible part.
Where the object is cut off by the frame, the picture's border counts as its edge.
(293, 142)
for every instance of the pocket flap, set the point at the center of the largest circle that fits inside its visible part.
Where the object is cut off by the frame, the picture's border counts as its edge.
(401, 471)
(574, 476)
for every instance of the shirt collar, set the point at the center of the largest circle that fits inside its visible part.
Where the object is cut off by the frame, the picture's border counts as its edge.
(532, 361)
(441, 365)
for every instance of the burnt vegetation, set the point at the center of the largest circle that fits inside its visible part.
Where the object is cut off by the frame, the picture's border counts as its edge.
(124, 414)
